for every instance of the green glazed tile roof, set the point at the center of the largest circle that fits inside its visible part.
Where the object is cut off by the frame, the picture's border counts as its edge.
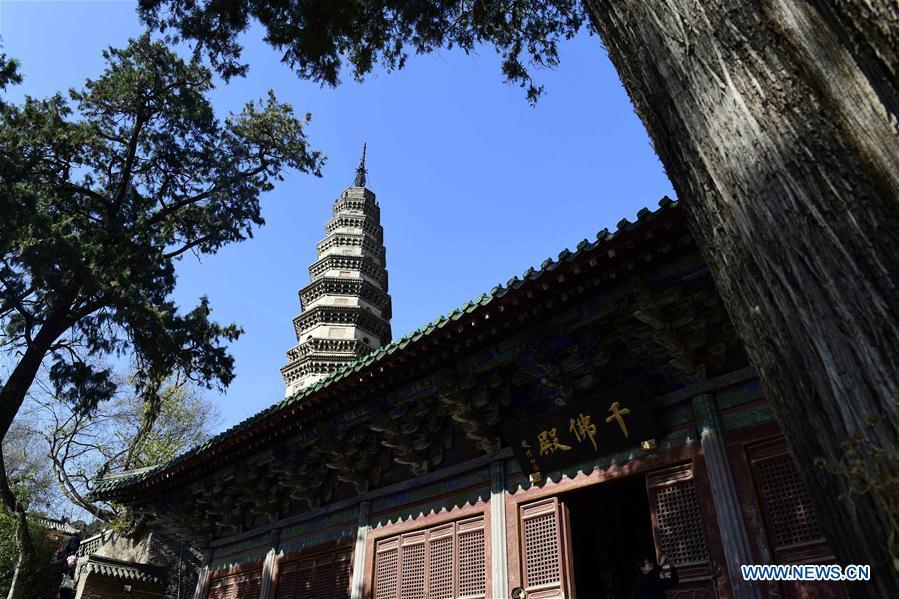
(113, 482)
(54, 524)
(113, 568)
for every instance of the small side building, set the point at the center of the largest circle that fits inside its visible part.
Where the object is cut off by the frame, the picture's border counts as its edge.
(59, 530)
(115, 566)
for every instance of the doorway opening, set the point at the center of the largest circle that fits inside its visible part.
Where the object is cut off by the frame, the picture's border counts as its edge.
(611, 531)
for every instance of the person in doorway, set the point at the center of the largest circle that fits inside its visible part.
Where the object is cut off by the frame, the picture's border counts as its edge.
(654, 579)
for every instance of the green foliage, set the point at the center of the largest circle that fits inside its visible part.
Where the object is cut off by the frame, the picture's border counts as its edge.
(41, 579)
(101, 191)
(315, 38)
(128, 431)
(29, 473)
(183, 419)
(9, 72)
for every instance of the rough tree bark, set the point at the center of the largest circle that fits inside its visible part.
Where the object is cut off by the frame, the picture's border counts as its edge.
(776, 123)
(12, 394)
(23, 537)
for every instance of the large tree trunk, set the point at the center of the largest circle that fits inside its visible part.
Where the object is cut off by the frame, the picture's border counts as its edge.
(24, 545)
(775, 121)
(17, 588)
(12, 394)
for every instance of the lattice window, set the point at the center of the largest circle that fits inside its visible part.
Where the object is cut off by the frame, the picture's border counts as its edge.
(679, 521)
(324, 576)
(386, 574)
(221, 589)
(244, 585)
(442, 562)
(343, 573)
(324, 579)
(541, 549)
(440, 569)
(412, 572)
(792, 518)
(472, 564)
(305, 578)
(249, 586)
(293, 579)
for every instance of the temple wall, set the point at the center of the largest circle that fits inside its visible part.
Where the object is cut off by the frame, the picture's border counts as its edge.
(709, 430)
(95, 586)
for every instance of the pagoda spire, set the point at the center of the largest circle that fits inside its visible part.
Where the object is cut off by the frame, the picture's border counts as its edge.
(345, 309)
(360, 170)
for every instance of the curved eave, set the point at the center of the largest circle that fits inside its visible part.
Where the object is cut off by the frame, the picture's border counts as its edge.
(604, 247)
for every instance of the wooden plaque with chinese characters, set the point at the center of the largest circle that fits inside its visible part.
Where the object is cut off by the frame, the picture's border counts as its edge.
(582, 431)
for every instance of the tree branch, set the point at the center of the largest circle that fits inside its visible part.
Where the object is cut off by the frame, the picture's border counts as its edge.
(86, 191)
(153, 405)
(175, 206)
(139, 122)
(71, 492)
(188, 246)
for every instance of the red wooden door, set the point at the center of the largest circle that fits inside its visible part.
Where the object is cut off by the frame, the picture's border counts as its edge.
(791, 524)
(545, 549)
(442, 562)
(681, 528)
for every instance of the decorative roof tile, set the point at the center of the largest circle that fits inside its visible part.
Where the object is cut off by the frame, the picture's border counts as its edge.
(113, 568)
(54, 524)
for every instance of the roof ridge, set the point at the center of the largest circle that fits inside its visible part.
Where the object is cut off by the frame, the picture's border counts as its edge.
(530, 274)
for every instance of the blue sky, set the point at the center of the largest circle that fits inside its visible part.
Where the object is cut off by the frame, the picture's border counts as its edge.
(474, 184)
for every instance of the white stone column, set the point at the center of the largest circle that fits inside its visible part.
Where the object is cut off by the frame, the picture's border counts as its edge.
(268, 565)
(202, 580)
(734, 537)
(82, 582)
(499, 562)
(358, 582)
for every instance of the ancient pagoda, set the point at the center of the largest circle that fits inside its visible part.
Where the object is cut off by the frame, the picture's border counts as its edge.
(345, 309)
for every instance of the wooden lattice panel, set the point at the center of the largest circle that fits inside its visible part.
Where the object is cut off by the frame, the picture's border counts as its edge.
(541, 549)
(540, 523)
(412, 572)
(387, 574)
(472, 564)
(220, 589)
(249, 585)
(443, 562)
(244, 585)
(677, 516)
(324, 579)
(440, 569)
(792, 515)
(324, 576)
(343, 573)
(790, 519)
(294, 579)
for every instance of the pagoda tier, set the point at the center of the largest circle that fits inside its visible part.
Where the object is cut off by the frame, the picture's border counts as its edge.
(369, 293)
(345, 310)
(370, 269)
